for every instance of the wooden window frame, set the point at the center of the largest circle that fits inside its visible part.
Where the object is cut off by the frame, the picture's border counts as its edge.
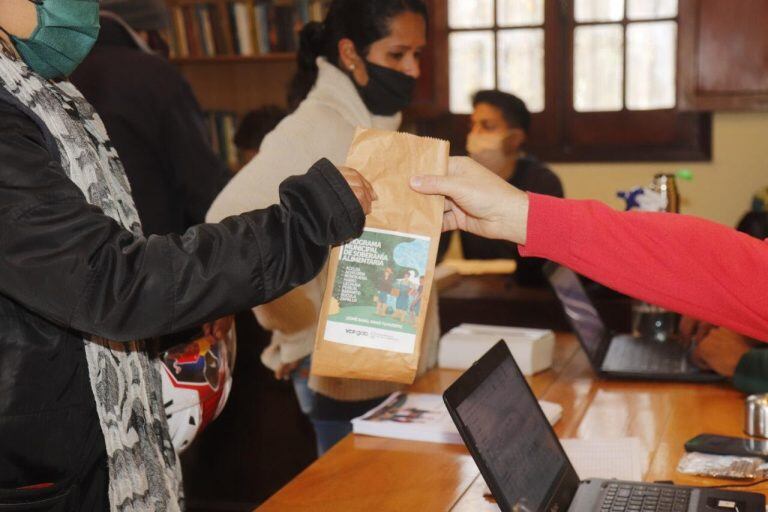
(560, 133)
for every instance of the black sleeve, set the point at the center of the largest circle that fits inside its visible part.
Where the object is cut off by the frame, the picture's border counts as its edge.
(198, 172)
(445, 243)
(529, 271)
(547, 183)
(751, 374)
(70, 263)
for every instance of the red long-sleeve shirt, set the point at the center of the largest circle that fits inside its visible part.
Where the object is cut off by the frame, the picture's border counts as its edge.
(682, 263)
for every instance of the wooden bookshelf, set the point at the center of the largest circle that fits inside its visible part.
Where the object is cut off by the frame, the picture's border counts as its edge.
(239, 85)
(238, 55)
(228, 59)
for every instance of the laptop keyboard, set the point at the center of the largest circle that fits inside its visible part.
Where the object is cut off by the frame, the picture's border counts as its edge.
(626, 353)
(620, 497)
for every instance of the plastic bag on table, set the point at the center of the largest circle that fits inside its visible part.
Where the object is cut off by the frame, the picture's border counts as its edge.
(721, 466)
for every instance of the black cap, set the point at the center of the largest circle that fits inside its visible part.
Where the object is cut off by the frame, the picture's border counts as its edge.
(139, 14)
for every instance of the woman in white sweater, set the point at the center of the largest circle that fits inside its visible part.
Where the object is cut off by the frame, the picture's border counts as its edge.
(358, 68)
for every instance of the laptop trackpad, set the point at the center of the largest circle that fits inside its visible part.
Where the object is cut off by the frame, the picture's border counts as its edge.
(627, 353)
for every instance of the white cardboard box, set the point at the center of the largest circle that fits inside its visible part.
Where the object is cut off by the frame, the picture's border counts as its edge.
(463, 345)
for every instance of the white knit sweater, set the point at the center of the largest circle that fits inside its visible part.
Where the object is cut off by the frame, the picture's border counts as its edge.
(322, 126)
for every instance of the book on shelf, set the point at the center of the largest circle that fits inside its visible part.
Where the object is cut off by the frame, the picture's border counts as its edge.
(243, 29)
(222, 44)
(261, 20)
(221, 128)
(178, 40)
(421, 417)
(193, 35)
(240, 27)
(206, 30)
(284, 27)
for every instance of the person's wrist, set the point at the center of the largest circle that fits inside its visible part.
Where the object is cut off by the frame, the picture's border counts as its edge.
(515, 222)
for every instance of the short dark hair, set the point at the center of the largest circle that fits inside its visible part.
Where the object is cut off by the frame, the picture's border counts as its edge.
(754, 224)
(513, 109)
(256, 125)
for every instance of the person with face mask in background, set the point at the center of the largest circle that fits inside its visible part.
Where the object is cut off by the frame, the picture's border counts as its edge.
(500, 126)
(356, 69)
(82, 424)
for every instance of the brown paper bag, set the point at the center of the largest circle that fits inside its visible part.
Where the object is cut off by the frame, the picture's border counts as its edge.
(372, 317)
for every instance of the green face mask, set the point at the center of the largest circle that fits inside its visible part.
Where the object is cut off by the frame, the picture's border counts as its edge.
(66, 31)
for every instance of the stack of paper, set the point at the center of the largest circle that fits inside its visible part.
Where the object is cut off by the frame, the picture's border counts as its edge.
(463, 345)
(421, 417)
(624, 459)
(481, 267)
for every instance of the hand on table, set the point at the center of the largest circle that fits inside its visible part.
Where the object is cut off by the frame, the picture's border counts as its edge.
(362, 189)
(478, 201)
(720, 350)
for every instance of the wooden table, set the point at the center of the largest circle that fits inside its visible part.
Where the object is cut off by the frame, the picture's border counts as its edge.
(373, 474)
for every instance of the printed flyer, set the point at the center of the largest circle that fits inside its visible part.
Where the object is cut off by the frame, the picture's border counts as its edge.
(376, 301)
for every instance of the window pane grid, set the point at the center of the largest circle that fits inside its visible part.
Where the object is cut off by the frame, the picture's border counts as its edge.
(519, 13)
(518, 21)
(651, 9)
(651, 59)
(471, 66)
(476, 14)
(520, 65)
(516, 27)
(668, 10)
(619, 22)
(642, 89)
(587, 11)
(598, 70)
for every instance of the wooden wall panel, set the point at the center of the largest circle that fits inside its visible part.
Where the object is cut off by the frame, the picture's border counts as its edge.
(723, 55)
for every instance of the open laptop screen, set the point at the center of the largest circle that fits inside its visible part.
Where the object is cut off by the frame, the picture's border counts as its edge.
(510, 435)
(579, 309)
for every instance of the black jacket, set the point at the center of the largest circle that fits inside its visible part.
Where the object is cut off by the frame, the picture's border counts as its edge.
(530, 175)
(68, 271)
(155, 124)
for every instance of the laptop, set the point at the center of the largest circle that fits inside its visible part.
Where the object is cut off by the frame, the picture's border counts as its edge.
(525, 466)
(620, 355)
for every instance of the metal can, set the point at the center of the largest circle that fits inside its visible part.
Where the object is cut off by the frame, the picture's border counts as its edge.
(756, 415)
(667, 186)
(652, 322)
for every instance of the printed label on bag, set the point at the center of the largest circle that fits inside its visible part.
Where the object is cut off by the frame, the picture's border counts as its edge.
(376, 301)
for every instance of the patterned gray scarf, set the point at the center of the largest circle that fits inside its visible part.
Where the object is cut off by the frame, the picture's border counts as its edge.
(144, 471)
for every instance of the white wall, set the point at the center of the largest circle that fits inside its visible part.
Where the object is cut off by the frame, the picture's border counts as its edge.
(721, 189)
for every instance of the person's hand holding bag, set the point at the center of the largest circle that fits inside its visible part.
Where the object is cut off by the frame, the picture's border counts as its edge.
(362, 189)
(478, 201)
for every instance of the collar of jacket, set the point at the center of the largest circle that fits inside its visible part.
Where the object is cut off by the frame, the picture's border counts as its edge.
(335, 89)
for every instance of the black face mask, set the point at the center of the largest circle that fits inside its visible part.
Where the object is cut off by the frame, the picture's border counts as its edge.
(387, 92)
